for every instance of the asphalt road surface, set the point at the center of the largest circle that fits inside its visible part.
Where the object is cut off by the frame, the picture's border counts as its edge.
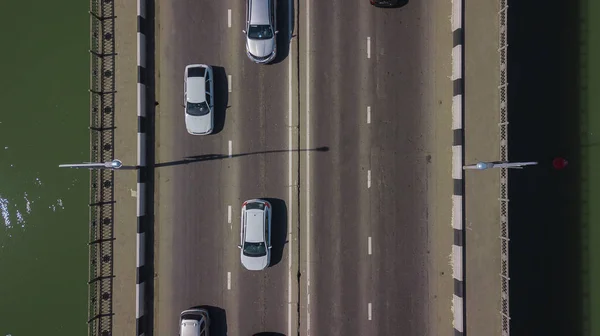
(211, 176)
(366, 205)
(350, 199)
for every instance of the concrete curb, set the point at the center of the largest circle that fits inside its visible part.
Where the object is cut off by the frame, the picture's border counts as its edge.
(141, 274)
(458, 202)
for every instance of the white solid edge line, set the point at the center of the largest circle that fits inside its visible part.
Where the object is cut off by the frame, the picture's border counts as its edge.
(230, 148)
(369, 47)
(229, 214)
(370, 311)
(368, 114)
(229, 18)
(228, 280)
(370, 246)
(308, 167)
(290, 184)
(369, 178)
(229, 84)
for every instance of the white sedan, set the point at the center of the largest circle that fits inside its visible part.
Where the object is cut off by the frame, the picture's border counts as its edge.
(198, 99)
(255, 235)
(194, 322)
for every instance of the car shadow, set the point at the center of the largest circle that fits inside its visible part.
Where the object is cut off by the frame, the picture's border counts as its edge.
(278, 229)
(285, 26)
(221, 97)
(218, 320)
(401, 4)
(267, 333)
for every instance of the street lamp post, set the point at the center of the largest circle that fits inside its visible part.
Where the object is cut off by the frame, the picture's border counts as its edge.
(114, 164)
(499, 164)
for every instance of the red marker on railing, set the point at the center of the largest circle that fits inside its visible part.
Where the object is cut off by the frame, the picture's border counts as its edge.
(559, 163)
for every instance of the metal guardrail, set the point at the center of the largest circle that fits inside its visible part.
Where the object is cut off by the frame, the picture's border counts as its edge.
(102, 99)
(504, 237)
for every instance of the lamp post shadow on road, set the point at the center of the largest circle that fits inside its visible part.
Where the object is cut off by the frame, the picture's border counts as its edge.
(112, 165)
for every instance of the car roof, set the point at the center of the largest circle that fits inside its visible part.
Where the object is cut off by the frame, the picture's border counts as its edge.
(196, 89)
(255, 226)
(190, 328)
(259, 12)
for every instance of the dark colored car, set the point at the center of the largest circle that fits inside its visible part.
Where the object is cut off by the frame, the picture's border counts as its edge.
(388, 3)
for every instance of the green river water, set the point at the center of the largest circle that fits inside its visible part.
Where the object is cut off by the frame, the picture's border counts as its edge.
(44, 81)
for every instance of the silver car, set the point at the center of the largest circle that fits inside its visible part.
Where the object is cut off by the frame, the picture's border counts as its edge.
(261, 29)
(194, 322)
(255, 235)
(198, 100)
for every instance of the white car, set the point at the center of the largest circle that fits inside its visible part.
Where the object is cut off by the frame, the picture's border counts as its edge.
(261, 30)
(255, 235)
(198, 99)
(194, 322)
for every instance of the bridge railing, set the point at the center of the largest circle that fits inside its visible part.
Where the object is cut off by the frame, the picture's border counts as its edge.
(101, 221)
(504, 237)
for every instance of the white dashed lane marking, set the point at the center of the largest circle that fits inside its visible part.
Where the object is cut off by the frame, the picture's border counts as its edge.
(229, 216)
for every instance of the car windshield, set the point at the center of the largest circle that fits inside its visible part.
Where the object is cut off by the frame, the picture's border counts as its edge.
(260, 32)
(197, 109)
(255, 206)
(255, 249)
